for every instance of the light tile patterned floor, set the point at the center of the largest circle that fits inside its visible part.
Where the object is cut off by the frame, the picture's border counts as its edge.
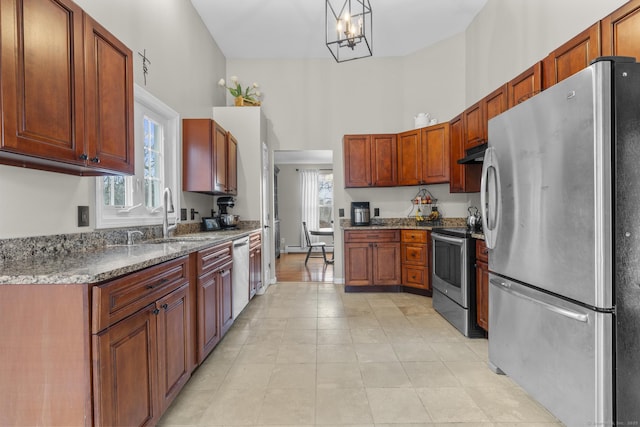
(307, 354)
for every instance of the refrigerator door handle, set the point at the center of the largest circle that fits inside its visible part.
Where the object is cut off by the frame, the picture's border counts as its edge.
(490, 197)
(506, 287)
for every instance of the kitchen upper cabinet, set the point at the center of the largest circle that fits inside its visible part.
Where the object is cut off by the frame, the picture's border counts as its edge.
(410, 158)
(474, 126)
(372, 257)
(435, 153)
(525, 85)
(209, 158)
(67, 92)
(423, 155)
(232, 165)
(621, 31)
(572, 56)
(494, 104)
(463, 178)
(370, 160)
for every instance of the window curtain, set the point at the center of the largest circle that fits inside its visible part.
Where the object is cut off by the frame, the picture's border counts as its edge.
(309, 203)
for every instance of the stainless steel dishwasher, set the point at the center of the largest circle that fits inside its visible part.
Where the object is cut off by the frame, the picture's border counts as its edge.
(240, 294)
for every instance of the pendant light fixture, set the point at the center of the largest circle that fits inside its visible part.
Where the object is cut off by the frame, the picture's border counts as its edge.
(348, 29)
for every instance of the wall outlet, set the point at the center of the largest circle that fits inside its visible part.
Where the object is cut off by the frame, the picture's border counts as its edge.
(183, 214)
(83, 216)
(341, 212)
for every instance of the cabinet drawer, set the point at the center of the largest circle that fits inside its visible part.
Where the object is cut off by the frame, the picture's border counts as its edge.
(375, 236)
(482, 253)
(213, 257)
(414, 254)
(117, 299)
(414, 236)
(416, 277)
(255, 240)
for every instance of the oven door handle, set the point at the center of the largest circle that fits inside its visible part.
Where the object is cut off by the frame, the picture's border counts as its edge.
(447, 239)
(490, 197)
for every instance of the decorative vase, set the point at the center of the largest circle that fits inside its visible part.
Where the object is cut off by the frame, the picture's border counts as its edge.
(239, 101)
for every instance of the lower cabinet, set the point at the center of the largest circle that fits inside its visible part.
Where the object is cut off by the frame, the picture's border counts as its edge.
(372, 258)
(416, 261)
(214, 289)
(255, 263)
(141, 344)
(482, 284)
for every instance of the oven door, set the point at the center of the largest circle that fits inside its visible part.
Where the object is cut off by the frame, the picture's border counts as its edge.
(450, 276)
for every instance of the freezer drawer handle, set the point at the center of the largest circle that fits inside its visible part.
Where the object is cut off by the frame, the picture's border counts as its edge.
(559, 310)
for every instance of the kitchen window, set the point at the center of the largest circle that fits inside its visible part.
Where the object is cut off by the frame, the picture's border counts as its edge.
(137, 200)
(325, 199)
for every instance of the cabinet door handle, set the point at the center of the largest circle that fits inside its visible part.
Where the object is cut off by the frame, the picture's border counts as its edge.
(83, 156)
(156, 311)
(95, 159)
(165, 306)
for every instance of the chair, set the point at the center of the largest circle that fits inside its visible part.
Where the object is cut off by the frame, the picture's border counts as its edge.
(312, 246)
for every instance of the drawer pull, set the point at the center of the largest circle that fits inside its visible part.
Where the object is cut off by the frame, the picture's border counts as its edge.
(156, 311)
(160, 282)
(165, 306)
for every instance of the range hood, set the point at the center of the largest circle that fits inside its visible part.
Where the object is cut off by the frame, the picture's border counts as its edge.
(474, 155)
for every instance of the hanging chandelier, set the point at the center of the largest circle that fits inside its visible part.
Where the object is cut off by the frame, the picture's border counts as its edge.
(348, 26)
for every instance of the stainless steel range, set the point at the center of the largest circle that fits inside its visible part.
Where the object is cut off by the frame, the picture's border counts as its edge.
(453, 279)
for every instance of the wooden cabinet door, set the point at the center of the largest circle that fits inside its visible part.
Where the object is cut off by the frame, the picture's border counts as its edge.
(384, 161)
(525, 85)
(197, 155)
(463, 178)
(482, 295)
(409, 158)
(474, 126)
(255, 270)
(174, 344)
(125, 374)
(209, 328)
(435, 154)
(220, 183)
(357, 161)
(109, 100)
(42, 83)
(226, 298)
(572, 56)
(386, 264)
(358, 264)
(232, 165)
(621, 31)
(494, 104)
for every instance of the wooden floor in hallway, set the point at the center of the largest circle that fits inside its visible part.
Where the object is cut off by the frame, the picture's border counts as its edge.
(290, 267)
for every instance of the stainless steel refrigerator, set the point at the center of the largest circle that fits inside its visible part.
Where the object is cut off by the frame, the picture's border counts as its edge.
(561, 216)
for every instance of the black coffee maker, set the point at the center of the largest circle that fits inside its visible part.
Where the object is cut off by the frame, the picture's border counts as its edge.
(360, 214)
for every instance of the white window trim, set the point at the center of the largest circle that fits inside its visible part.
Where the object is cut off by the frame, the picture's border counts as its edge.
(108, 217)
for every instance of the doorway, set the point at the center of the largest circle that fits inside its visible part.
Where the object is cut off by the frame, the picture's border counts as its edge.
(289, 211)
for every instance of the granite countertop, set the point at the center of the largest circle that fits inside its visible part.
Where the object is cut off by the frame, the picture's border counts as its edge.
(108, 262)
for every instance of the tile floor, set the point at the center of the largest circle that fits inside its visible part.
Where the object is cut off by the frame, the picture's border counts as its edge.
(308, 354)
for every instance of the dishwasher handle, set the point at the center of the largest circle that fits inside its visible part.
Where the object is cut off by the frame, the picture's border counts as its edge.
(240, 242)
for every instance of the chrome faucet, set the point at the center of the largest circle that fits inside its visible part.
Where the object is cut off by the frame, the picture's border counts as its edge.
(130, 234)
(168, 208)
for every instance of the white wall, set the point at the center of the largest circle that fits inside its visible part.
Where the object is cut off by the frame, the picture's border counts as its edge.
(311, 104)
(185, 66)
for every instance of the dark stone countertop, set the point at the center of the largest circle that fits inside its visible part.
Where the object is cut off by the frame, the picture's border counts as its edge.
(110, 261)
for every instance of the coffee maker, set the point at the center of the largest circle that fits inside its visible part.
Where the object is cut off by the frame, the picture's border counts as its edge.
(360, 214)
